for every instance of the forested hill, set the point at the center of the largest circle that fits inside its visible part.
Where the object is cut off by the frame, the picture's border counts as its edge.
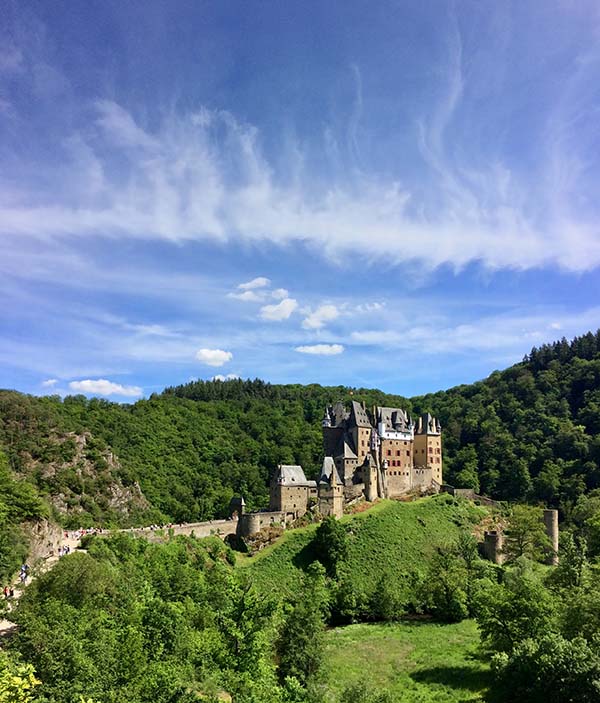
(529, 432)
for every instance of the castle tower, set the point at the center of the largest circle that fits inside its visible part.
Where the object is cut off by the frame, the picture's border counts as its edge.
(359, 427)
(331, 490)
(427, 450)
(395, 430)
(370, 478)
(551, 525)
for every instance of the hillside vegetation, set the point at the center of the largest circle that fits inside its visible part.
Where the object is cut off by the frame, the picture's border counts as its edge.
(399, 538)
(531, 432)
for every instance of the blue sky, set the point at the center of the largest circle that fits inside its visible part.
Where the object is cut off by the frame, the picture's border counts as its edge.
(396, 195)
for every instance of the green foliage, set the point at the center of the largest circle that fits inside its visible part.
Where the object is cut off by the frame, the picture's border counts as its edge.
(445, 587)
(17, 681)
(361, 692)
(525, 535)
(132, 622)
(384, 604)
(519, 608)
(573, 563)
(551, 669)
(301, 640)
(331, 545)
(398, 538)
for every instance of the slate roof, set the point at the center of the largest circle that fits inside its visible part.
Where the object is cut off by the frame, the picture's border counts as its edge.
(359, 415)
(345, 449)
(338, 414)
(328, 470)
(394, 418)
(428, 425)
(292, 475)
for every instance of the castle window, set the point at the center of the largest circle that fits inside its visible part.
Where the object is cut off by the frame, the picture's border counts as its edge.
(407, 452)
(397, 452)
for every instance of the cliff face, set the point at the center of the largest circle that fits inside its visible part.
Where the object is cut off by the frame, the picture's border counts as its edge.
(77, 473)
(85, 477)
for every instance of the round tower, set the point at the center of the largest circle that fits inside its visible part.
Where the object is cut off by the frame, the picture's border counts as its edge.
(551, 525)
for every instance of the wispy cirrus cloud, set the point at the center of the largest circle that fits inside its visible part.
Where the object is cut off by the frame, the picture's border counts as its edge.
(172, 184)
(320, 349)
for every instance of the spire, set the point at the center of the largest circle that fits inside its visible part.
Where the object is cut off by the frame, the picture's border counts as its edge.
(327, 418)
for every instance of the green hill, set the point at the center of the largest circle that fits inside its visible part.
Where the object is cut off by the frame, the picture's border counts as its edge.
(393, 540)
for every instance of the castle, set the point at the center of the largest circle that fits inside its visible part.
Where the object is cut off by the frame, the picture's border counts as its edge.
(382, 454)
(385, 454)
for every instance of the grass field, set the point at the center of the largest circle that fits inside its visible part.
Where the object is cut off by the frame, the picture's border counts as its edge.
(419, 662)
(392, 538)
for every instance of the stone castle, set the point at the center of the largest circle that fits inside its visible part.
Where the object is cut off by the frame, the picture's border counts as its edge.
(381, 454)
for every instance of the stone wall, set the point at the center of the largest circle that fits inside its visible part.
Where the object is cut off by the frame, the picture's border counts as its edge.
(251, 523)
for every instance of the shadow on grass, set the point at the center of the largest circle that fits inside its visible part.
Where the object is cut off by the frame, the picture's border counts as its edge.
(457, 677)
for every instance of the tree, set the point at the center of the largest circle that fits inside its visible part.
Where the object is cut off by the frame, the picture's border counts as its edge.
(444, 589)
(331, 545)
(385, 604)
(573, 563)
(518, 609)
(551, 669)
(525, 535)
(300, 645)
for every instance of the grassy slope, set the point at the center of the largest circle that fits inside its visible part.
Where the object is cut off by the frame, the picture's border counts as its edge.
(392, 539)
(416, 662)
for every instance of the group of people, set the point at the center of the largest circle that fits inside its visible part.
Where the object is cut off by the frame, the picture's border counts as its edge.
(9, 592)
(64, 550)
(78, 534)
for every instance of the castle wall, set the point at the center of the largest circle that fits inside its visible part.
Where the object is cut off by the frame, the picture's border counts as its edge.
(289, 499)
(398, 482)
(331, 501)
(422, 477)
(252, 523)
(362, 440)
(428, 453)
(347, 469)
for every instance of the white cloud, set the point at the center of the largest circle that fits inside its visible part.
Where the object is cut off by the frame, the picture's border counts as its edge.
(317, 319)
(101, 386)
(260, 282)
(213, 357)
(279, 293)
(228, 377)
(48, 383)
(248, 296)
(321, 349)
(204, 177)
(281, 311)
